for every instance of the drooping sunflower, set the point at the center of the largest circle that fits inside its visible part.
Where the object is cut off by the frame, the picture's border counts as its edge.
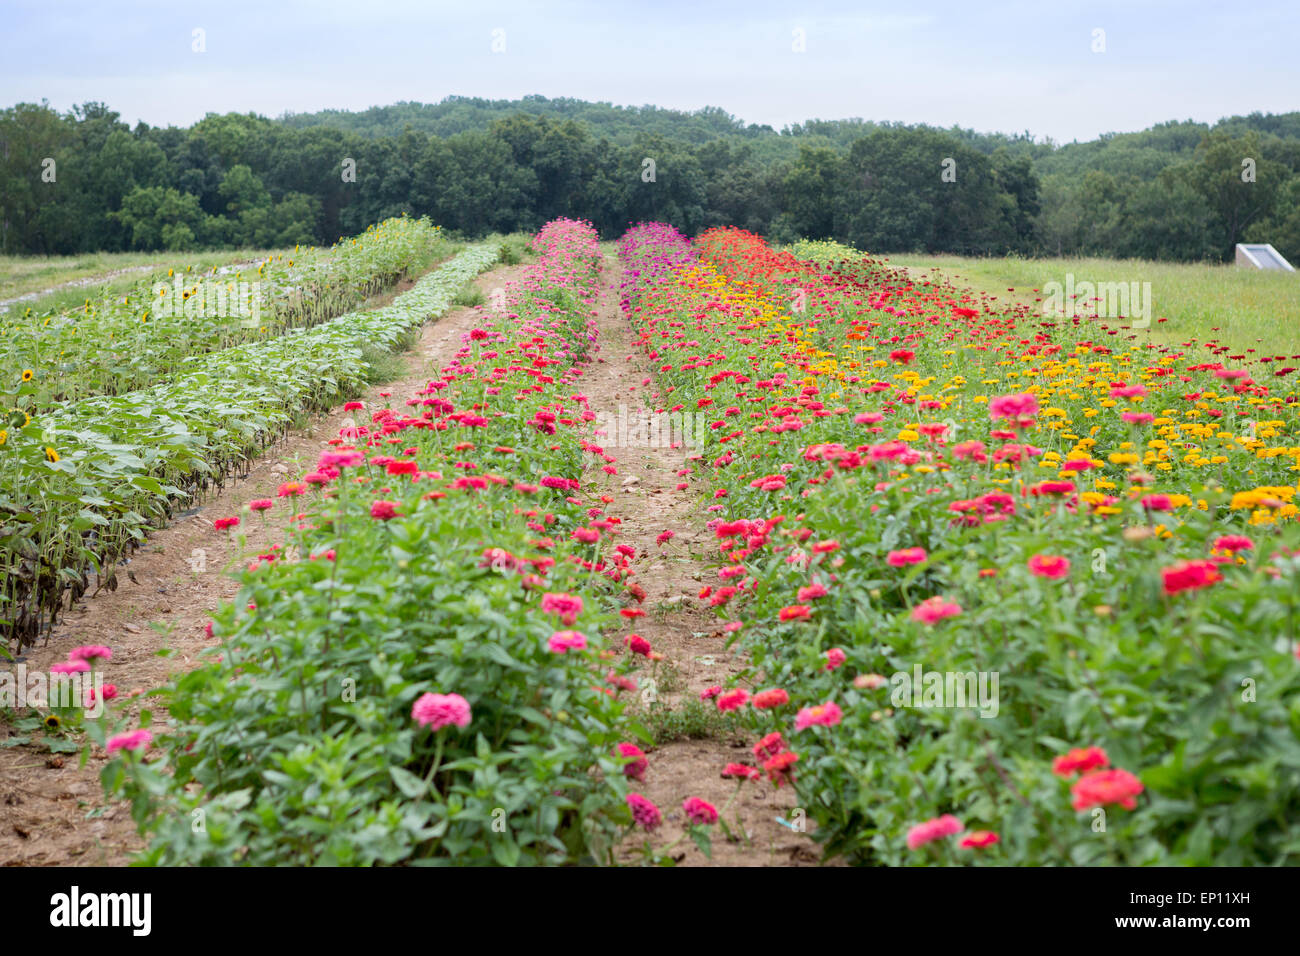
(50, 454)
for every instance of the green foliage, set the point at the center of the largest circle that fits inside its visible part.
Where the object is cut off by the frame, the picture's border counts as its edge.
(121, 463)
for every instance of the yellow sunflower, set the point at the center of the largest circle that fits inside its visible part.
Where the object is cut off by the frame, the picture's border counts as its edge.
(51, 454)
(27, 374)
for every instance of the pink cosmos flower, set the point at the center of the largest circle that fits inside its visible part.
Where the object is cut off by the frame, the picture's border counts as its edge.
(436, 711)
(932, 830)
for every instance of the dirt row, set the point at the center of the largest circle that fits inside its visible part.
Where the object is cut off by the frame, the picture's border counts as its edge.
(52, 812)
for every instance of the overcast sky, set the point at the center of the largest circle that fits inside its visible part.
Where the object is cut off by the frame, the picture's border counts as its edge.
(1009, 66)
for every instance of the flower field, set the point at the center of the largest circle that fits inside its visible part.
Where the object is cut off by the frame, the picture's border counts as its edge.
(403, 659)
(996, 589)
(80, 482)
(903, 483)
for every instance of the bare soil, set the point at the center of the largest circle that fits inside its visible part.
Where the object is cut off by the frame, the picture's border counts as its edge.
(677, 624)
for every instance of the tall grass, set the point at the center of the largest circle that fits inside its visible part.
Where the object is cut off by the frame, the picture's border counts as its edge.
(1240, 308)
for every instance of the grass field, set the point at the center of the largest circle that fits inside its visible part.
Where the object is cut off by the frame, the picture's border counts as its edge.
(1240, 308)
(107, 272)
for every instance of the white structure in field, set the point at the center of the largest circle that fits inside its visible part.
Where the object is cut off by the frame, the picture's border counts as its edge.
(1261, 255)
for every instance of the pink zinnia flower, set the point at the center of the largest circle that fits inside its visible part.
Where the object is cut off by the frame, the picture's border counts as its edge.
(767, 699)
(110, 692)
(898, 559)
(70, 667)
(635, 770)
(733, 699)
(562, 641)
(567, 606)
(978, 838)
(645, 813)
(1013, 406)
(1106, 786)
(1049, 566)
(932, 830)
(935, 609)
(811, 592)
(700, 812)
(135, 740)
(1080, 760)
(436, 711)
(834, 658)
(90, 652)
(795, 612)
(383, 510)
(827, 715)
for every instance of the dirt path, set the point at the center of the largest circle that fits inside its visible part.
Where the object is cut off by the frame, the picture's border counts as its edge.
(690, 637)
(51, 811)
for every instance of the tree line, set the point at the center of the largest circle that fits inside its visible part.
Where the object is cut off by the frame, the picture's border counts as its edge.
(86, 181)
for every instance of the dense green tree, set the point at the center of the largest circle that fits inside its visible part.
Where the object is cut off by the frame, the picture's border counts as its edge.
(84, 180)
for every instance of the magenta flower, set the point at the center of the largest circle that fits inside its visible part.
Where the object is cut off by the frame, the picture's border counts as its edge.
(931, 830)
(935, 609)
(90, 652)
(644, 812)
(70, 667)
(135, 740)
(827, 715)
(436, 711)
(700, 811)
(562, 641)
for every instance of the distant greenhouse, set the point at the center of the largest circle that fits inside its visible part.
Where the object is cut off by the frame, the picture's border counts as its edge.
(1261, 255)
